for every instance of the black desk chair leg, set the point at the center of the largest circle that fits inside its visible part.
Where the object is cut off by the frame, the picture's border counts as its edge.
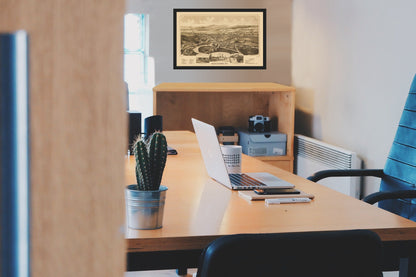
(182, 271)
(407, 267)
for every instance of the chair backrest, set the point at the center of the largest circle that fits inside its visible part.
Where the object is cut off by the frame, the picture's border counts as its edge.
(400, 168)
(335, 253)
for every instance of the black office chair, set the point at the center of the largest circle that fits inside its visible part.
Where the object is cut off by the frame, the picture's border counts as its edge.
(397, 189)
(334, 253)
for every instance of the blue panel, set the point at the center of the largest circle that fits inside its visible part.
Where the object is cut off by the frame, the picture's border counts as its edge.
(413, 86)
(411, 102)
(14, 156)
(406, 136)
(400, 171)
(404, 154)
(408, 119)
(402, 207)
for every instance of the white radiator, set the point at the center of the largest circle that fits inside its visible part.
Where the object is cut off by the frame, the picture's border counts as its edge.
(312, 155)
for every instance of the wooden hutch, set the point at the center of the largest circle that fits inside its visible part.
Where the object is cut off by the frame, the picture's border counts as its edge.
(228, 104)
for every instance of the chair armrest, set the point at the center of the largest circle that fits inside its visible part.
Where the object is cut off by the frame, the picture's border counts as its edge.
(384, 195)
(345, 173)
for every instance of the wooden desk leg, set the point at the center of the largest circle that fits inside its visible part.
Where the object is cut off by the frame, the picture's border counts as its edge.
(407, 267)
(182, 271)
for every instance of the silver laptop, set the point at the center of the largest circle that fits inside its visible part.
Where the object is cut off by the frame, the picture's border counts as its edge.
(217, 170)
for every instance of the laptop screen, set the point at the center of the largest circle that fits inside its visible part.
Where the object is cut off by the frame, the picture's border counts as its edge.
(211, 152)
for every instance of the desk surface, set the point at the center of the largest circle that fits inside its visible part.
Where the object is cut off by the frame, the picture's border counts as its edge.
(198, 209)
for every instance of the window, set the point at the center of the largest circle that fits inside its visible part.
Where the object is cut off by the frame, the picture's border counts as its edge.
(138, 66)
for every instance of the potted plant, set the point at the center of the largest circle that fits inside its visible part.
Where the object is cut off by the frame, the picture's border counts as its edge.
(145, 200)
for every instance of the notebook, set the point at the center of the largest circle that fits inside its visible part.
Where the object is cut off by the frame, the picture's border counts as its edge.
(252, 196)
(217, 170)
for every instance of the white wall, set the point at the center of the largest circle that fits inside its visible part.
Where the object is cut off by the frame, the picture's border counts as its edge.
(161, 40)
(352, 64)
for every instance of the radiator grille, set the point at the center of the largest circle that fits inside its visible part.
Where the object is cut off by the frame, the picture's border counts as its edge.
(312, 155)
(323, 153)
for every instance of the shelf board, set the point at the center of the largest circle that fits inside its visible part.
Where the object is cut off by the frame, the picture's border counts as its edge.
(275, 158)
(222, 87)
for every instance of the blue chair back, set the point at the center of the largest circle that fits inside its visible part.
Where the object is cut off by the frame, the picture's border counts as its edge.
(400, 168)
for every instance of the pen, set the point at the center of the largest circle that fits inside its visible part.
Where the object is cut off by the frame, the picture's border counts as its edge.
(287, 200)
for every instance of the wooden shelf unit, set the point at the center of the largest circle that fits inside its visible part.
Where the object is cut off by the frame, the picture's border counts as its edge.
(228, 104)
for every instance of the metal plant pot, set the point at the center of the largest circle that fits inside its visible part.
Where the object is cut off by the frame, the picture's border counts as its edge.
(145, 208)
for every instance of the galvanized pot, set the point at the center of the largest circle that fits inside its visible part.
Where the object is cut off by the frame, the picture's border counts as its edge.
(144, 209)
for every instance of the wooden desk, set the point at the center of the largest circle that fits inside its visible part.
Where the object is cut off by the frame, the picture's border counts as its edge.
(198, 210)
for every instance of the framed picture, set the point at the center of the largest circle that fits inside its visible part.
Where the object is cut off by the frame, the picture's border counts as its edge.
(219, 39)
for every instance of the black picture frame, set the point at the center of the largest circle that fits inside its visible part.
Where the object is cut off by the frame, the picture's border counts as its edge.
(219, 38)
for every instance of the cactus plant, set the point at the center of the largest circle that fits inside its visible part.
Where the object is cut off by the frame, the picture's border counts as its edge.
(150, 161)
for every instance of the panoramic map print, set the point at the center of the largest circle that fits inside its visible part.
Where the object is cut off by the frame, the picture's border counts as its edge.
(219, 39)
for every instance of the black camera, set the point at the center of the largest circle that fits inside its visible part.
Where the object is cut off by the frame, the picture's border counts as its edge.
(259, 124)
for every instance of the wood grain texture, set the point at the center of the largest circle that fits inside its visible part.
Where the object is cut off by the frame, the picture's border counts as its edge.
(78, 133)
(228, 104)
(283, 163)
(198, 209)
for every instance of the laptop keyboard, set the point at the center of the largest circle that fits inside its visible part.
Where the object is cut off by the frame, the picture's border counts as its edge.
(244, 181)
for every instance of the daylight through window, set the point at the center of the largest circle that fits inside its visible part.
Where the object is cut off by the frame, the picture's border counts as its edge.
(138, 66)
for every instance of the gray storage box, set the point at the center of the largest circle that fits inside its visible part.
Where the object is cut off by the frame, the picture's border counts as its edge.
(263, 144)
